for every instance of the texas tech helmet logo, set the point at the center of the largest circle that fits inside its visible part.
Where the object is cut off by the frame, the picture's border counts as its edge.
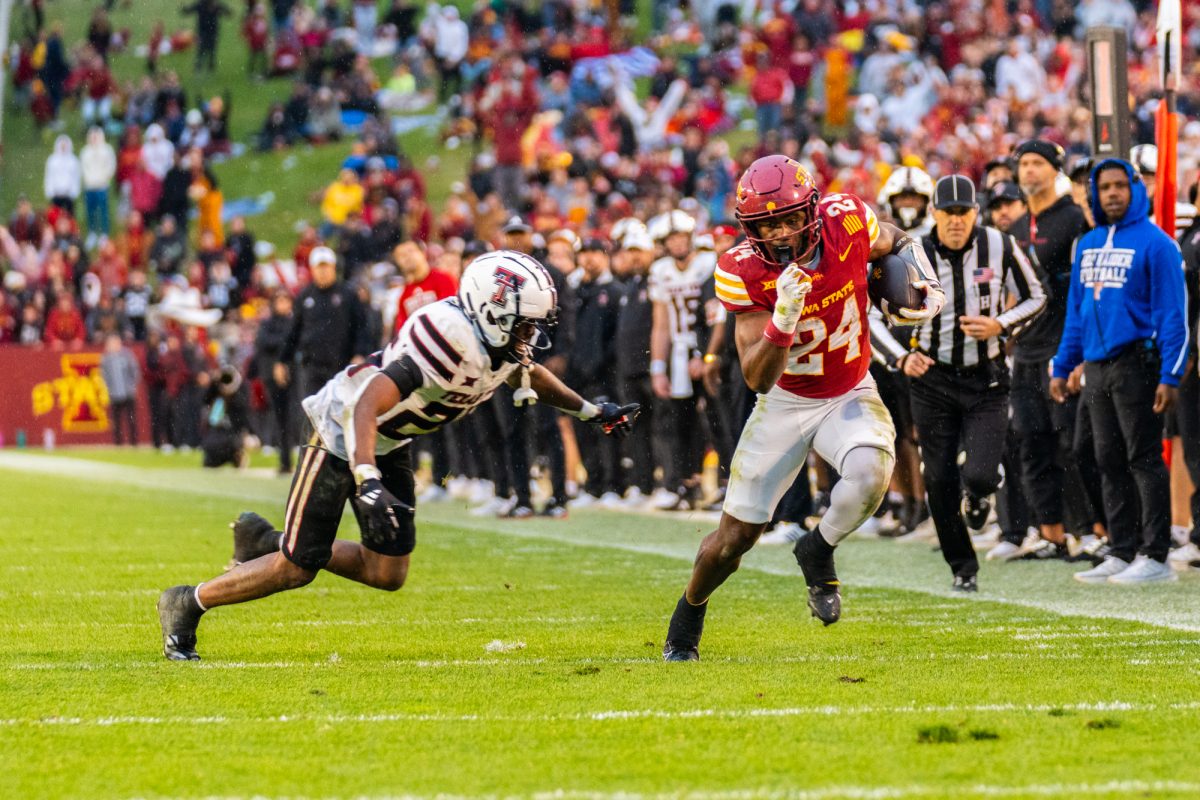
(506, 281)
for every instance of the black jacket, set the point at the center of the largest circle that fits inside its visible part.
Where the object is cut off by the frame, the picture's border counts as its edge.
(634, 322)
(1056, 230)
(329, 328)
(593, 361)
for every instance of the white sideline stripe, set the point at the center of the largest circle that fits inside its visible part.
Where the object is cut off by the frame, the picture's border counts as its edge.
(1105, 605)
(605, 716)
(1120, 788)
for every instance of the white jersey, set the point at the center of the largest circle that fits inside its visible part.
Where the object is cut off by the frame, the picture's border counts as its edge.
(680, 290)
(457, 371)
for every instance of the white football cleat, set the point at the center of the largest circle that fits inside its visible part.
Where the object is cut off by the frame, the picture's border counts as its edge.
(611, 501)
(1100, 574)
(583, 500)
(1144, 570)
(433, 494)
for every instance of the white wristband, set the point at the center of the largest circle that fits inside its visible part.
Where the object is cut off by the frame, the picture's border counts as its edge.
(365, 472)
(586, 411)
(785, 321)
(658, 367)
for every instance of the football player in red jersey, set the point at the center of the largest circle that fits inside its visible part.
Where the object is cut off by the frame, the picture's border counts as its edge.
(798, 290)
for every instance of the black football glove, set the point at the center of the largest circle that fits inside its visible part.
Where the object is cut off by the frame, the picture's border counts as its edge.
(382, 509)
(615, 418)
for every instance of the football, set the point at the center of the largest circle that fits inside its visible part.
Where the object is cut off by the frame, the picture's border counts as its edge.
(889, 284)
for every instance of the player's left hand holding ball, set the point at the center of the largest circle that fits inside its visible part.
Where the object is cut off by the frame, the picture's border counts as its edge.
(935, 298)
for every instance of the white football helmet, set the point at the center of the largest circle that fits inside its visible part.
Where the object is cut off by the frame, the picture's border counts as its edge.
(907, 180)
(1144, 158)
(625, 226)
(511, 299)
(675, 221)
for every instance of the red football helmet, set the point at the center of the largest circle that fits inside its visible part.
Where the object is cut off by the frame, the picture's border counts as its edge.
(774, 187)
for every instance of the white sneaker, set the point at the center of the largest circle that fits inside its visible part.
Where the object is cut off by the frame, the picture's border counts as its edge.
(611, 501)
(1005, 551)
(1106, 569)
(493, 507)
(583, 500)
(1184, 555)
(482, 492)
(1180, 535)
(784, 533)
(989, 535)
(634, 499)
(433, 494)
(1144, 570)
(664, 498)
(459, 487)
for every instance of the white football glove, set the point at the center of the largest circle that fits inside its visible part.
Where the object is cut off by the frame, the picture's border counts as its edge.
(935, 298)
(791, 288)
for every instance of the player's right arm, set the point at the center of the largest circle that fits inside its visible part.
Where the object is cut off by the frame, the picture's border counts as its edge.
(764, 340)
(383, 391)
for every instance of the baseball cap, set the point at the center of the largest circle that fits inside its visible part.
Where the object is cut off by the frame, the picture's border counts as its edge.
(1080, 168)
(516, 225)
(594, 243)
(476, 247)
(1044, 148)
(954, 191)
(997, 163)
(1004, 191)
(564, 235)
(321, 255)
(725, 229)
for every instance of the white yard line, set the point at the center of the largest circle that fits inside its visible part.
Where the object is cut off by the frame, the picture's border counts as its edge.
(1168, 607)
(1107, 707)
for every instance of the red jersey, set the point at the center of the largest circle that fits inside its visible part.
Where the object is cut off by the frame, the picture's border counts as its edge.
(437, 285)
(832, 348)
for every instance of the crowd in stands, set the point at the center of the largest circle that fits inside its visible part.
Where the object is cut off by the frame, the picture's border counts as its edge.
(570, 130)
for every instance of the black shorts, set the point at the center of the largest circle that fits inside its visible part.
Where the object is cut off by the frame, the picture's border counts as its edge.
(320, 488)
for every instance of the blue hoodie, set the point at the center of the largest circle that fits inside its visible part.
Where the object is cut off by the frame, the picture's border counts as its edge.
(1126, 286)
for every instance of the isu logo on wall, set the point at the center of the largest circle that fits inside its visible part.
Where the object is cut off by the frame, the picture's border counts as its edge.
(80, 394)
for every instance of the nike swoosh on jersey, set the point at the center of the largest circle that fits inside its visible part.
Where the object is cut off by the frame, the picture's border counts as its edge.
(845, 252)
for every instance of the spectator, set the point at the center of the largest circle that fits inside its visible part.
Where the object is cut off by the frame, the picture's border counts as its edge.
(122, 376)
(55, 70)
(771, 90)
(341, 197)
(275, 134)
(422, 284)
(450, 48)
(208, 15)
(325, 117)
(256, 30)
(26, 225)
(176, 200)
(98, 166)
(64, 324)
(239, 249)
(136, 297)
(97, 85)
(1126, 322)
(158, 153)
(196, 133)
(62, 181)
(169, 249)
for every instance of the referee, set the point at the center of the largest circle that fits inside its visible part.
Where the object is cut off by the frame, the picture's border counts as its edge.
(960, 380)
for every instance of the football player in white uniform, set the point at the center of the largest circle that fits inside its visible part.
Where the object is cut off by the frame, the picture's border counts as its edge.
(447, 359)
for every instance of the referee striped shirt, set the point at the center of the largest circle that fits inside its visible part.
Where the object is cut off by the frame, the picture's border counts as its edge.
(979, 280)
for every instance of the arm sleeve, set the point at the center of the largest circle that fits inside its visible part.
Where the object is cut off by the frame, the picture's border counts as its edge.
(1020, 280)
(405, 373)
(1070, 346)
(1168, 308)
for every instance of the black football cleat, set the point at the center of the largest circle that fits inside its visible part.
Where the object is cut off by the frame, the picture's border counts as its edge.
(675, 651)
(975, 511)
(179, 616)
(965, 584)
(253, 537)
(825, 602)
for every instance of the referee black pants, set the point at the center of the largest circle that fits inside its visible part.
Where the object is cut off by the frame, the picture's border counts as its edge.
(953, 410)
(1119, 394)
(1187, 415)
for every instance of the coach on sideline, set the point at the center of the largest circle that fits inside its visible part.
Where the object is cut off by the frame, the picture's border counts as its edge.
(960, 381)
(1126, 321)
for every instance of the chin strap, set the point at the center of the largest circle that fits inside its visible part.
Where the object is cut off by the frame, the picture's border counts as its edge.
(525, 395)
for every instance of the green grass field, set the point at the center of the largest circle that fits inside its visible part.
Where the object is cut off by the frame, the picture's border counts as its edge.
(523, 660)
